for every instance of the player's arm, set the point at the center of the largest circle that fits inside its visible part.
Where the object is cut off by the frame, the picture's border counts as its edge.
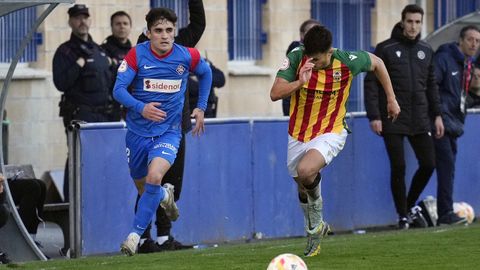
(204, 75)
(126, 73)
(282, 88)
(378, 67)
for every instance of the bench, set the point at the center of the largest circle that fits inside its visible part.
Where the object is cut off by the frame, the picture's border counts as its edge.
(54, 210)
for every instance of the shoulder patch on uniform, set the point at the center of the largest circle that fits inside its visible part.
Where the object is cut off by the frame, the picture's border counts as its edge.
(123, 66)
(285, 64)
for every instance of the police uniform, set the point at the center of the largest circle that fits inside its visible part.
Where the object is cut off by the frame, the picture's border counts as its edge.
(85, 89)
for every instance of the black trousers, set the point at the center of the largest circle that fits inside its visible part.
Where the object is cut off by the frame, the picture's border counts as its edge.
(29, 195)
(423, 147)
(174, 176)
(446, 148)
(3, 210)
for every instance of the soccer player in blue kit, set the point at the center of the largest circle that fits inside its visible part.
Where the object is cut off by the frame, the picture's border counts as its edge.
(158, 72)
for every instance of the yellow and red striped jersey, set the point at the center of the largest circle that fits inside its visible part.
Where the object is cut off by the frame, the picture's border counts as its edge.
(320, 105)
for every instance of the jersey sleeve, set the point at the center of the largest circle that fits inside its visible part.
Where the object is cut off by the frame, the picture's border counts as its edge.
(125, 75)
(357, 61)
(204, 74)
(289, 67)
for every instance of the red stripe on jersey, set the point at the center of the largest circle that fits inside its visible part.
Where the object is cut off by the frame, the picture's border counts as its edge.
(307, 111)
(291, 124)
(131, 59)
(326, 95)
(341, 92)
(195, 58)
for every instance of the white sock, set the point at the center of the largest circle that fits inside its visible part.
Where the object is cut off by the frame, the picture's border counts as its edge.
(166, 196)
(162, 239)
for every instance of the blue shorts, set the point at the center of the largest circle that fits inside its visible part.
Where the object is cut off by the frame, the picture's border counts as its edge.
(141, 150)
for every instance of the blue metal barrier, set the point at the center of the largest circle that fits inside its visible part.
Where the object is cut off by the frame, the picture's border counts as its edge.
(236, 183)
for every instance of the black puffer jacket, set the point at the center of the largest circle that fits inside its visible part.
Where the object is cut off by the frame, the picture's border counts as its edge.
(410, 66)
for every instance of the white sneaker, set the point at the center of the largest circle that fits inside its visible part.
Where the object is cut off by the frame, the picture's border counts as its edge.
(169, 205)
(314, 239)
(129, 246)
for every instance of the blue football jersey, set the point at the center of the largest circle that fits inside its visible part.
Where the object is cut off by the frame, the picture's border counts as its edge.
(163, 79)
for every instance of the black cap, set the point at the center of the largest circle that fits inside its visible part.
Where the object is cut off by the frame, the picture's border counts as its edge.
(77, 10)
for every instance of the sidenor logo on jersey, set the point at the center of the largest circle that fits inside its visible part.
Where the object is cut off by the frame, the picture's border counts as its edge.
(162, 86)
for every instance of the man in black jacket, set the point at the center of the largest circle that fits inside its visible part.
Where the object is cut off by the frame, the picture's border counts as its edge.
(409, 62)
(188, 37)
(117, 46)
(82, 72)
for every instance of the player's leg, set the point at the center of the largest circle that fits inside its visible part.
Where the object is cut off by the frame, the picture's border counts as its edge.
(174, 176)
(319, 153)
(160, 154)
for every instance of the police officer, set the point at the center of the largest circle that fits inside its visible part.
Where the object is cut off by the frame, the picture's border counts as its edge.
(117, 46)
(81, 70)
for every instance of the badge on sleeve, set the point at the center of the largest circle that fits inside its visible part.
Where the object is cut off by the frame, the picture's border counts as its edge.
(123, 66)
(285, 64)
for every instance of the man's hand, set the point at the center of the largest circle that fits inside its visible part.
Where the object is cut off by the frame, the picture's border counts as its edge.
(81, 62)
(306, 71)
(151, 112)
(376, 126)
(199, 128)
(439, 128)
(393, 109)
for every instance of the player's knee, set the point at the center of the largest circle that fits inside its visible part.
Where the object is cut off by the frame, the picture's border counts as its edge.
(305, 172)
(154, 178)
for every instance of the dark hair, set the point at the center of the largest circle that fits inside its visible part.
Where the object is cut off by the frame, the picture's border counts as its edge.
(306, 23)
(118, 14)
(411, 9)
(468, 28)
(317, 40)
(156, 14)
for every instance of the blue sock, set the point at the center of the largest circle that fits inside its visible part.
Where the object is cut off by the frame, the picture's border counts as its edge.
(147, 206)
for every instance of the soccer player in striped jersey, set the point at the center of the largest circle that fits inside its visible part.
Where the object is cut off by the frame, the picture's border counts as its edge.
(158, 72)
(318, 78)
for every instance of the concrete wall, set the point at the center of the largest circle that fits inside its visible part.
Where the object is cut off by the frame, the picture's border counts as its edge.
(37, 134)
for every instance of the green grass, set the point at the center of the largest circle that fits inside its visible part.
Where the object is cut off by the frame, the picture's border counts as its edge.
(436, 248)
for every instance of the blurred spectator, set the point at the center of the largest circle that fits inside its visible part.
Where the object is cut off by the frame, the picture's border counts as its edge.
(117, 46)
(473, 98)
(218, 81)
(453, 71)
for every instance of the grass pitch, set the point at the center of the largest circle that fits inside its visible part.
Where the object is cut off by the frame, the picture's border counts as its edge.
(454, 247)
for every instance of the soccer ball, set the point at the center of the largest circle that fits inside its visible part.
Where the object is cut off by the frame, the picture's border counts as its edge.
(287, 261)
(463, 209)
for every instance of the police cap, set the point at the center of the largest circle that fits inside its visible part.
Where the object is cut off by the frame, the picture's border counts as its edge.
(77, 10)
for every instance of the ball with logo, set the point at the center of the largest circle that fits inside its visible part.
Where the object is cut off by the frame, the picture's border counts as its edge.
(464, 210)
(287, 261)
